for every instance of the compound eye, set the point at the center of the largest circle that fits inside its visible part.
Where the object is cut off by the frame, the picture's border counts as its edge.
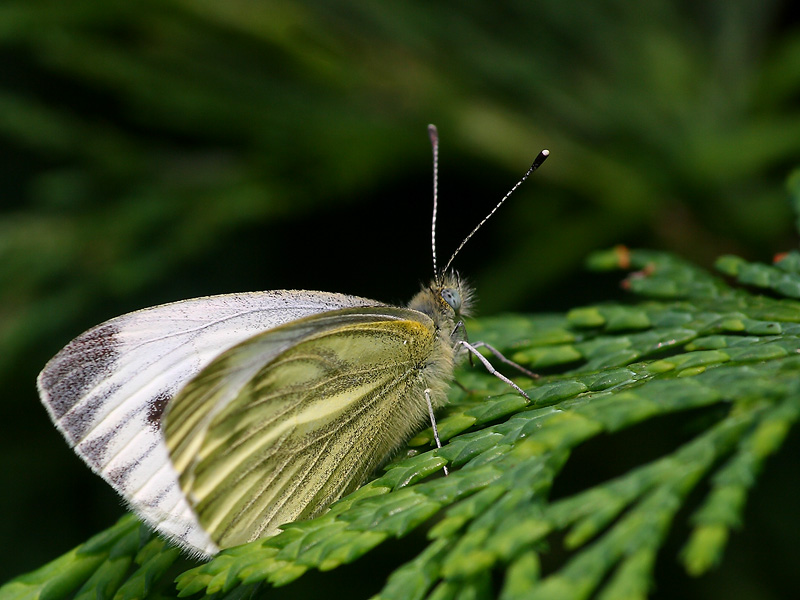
(452, 297)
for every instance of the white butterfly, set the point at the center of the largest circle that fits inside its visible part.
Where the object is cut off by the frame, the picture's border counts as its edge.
(219, 419)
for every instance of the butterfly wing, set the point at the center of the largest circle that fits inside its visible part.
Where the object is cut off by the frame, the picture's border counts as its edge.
(287, 422)
(107, 389)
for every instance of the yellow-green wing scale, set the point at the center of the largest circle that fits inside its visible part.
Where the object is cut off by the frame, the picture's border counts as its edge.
(280, 426)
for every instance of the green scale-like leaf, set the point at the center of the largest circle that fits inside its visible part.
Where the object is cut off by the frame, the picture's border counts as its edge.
(693, 341)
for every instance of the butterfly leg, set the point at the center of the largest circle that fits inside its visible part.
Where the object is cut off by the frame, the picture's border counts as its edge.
(460, 335)
(499, 356)
(492, 370)
(433, 424)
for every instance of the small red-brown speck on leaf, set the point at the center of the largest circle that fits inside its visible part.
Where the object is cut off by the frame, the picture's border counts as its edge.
(623, 256)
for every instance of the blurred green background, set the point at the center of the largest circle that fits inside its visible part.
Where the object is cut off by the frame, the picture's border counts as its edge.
(158, 150)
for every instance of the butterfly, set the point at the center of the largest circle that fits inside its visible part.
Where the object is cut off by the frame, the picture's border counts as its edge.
(220, 418)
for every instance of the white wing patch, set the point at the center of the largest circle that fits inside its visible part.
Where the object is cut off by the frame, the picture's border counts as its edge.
(107, 389)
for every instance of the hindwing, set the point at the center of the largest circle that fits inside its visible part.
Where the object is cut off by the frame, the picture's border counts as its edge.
(283, 424)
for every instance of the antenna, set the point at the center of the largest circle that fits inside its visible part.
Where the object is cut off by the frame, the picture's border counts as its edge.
(433, 134)
(535, 165)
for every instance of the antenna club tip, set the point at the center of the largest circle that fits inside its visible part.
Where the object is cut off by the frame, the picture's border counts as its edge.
(433, 133)
(538, 161)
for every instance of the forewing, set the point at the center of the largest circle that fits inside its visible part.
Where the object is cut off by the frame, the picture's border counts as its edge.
(285, 423)
(107, 389)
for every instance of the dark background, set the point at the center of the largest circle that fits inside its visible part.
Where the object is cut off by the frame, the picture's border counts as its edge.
(158, 150)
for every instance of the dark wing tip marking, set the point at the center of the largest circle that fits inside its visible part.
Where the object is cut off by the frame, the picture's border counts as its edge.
(77, 368)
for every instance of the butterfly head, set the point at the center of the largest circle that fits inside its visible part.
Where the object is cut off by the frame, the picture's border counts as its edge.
(446, 300)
